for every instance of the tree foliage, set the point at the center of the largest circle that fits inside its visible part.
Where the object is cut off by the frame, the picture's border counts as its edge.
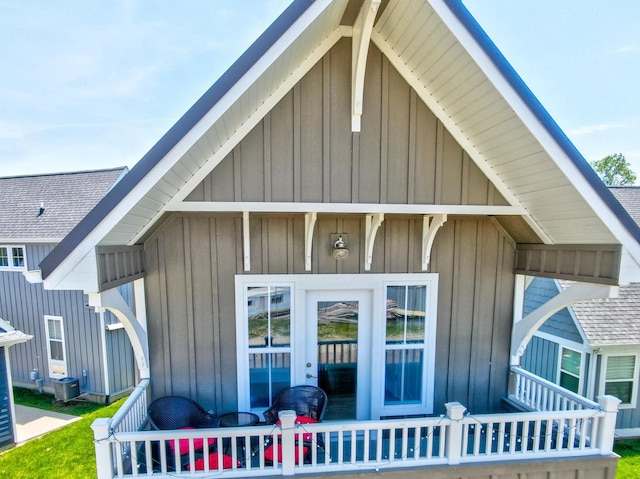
(614, 170)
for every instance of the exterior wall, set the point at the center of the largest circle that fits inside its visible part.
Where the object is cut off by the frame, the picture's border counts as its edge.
(304, 151)
(541, 358)
(24, 305)
(6, 421)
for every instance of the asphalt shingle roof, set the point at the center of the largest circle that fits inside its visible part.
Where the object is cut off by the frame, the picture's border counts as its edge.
(629, 197)
(66, 198)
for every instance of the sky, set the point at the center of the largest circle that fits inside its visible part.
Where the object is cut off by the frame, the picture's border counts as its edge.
(91, 85)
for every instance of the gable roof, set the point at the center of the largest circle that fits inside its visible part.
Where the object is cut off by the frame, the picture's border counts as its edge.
(455, 69)
(10, 336)
(65, 198)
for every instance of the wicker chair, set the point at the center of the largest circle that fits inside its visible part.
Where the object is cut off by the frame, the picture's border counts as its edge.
(309, 403)
(178, 412)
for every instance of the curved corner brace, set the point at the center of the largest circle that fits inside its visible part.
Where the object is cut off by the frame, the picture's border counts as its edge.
(309, 225)
(430, 226)
(246, 241)
(360, 48)
(373, 222)
(114, 302)
(524, 329)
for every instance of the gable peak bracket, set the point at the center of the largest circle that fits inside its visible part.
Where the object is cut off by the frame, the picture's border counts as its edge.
(373, 222)
(360, 39)
(309, 226)
(430, 226)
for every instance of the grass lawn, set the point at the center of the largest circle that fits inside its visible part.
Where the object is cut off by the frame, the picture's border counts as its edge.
(65, 453)
(629, 464)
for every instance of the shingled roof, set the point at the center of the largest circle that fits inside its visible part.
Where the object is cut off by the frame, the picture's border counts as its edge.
(629, 197)
(65, 198)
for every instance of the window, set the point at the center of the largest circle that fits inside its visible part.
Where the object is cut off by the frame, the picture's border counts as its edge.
(570, 367)
(55, 347)
(268, 336)
(12, 258)
(620, 378)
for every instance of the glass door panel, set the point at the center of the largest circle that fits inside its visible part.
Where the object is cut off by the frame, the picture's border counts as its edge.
(337, 323)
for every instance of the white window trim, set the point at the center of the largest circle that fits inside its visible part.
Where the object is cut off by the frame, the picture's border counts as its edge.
(52, 362)
(10, 267)
(373, 282)
(603, 378)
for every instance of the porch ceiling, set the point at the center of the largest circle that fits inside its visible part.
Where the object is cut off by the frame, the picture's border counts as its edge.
(440, 51)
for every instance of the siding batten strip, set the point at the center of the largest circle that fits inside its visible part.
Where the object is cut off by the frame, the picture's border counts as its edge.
(189, 319)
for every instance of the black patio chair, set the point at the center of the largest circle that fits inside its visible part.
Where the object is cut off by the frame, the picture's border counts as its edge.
(179, 412)
(308, 401)
(309, 404)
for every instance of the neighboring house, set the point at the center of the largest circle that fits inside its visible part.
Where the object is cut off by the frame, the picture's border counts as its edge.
(9, 336)
(592, 347)
(398, 129)
(71, 340)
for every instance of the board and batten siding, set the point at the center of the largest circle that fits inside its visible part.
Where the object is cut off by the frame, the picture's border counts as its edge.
(24, 305)
(191, 264)
(304, 150)
(6, 421)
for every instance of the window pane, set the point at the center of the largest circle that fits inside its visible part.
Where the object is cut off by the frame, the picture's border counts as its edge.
(269, 373)
(18, 257)
(571, 361)
(403, 376)
(620, 367)
(57, 352)
(406, 314)
(55, 329)
(269, 316)
(4, 256)
(569, 382)
(621, 390)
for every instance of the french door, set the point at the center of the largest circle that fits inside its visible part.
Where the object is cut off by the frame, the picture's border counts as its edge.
(337, 350)
(367, 340)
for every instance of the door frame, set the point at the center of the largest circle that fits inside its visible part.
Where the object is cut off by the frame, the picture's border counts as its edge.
(302, 284)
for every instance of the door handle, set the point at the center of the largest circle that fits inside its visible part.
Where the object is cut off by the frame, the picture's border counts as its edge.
(309, 375)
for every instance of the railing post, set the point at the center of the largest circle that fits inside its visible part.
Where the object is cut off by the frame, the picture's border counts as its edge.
(104, 455)
(455, 412)
(607, 429)
(288, 426)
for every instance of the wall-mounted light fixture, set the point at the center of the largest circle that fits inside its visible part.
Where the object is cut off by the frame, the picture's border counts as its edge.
(340, 251)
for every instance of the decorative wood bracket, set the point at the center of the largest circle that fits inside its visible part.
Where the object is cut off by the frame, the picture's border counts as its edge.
(524, 329)
(360, 47)
(246, 241)
(373, 222)
(309, 225)
(430, 226)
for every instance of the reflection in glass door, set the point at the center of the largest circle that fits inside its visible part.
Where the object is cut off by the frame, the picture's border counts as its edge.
(337, 323)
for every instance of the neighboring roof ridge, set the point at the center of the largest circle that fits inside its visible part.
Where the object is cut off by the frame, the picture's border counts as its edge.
(64, 173)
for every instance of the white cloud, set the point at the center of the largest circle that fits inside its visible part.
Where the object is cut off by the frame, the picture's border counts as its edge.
(589, 129)
(628, 49)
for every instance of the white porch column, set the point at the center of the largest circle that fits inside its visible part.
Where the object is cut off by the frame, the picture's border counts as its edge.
(288, 425)
(455, 412)
(104, 455)
(607, 429)
(114, 302)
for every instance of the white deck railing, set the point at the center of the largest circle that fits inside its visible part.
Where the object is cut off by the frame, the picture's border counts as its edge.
(534, 393)
(453, 438)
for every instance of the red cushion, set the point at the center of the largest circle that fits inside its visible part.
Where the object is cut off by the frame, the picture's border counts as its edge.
(268, 453)
(198, 443)
(227, 462)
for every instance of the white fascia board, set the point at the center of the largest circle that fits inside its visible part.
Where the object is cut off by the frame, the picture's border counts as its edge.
(537, 129)
(363, 208)
(629, 268)
(57, 276)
